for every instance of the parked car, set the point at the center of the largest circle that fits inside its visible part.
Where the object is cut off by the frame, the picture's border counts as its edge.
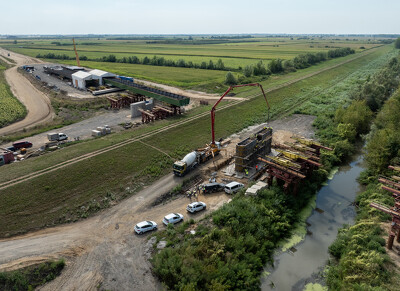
(233, 187)
(11, 149)
(172, 218)
(145, 226)
(213, 187)
(57, 136)
(22, 144)
(196, 206)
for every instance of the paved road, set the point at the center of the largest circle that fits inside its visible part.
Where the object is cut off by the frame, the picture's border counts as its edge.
(36, 102)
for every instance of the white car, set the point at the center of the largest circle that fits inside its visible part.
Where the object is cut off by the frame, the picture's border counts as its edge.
(145, 226)
(196, 206)
(172, 218)
(233, 187)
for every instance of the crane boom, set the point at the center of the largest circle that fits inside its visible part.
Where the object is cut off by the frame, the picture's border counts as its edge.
(223, 95)
(76, 53)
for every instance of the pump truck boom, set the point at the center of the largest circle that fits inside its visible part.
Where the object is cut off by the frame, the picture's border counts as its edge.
(226, 93)
(202, 155)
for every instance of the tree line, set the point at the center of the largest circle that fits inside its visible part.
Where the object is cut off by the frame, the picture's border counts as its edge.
(361, 261)
(277, 66)
(154, 61)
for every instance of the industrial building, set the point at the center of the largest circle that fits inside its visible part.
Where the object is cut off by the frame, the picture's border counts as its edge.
(100, 75)
(82, 80)
(62, 72)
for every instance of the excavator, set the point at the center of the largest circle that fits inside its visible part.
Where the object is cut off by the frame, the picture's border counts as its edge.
(202, 155)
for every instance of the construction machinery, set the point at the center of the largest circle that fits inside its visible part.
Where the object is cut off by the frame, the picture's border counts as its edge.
(76, 53)
(202, 155)
(213, 109)
(194, 158)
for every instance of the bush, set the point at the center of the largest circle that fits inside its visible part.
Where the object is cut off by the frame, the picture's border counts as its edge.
(230, 79)
(397, 43)
(31, 277)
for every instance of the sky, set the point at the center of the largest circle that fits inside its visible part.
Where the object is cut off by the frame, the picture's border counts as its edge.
(199, 17)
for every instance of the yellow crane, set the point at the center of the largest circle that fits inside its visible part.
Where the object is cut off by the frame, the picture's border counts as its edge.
(76, 53)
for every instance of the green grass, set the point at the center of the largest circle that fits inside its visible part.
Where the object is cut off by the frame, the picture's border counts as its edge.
(181, 77)
(57, 197)
(233, 54)
(11, 109)
(31, 277)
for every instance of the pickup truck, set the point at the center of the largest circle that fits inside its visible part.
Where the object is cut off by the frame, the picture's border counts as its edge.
(22, 144)
(57, 136)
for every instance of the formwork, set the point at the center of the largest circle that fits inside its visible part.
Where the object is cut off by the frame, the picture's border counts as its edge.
(248, 150)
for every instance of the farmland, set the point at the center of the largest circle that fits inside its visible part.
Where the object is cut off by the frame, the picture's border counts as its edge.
(10, 108)
(235, 54)
(62, 193)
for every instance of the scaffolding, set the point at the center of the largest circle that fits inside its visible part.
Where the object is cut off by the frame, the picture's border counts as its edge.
(248, 150)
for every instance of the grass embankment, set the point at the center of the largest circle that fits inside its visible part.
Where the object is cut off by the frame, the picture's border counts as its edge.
(231, 246)
(31, 277)
(360, 259)
(11, 109)
(59, 196)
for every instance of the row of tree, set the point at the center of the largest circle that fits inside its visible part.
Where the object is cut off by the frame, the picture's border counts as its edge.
(277, 66)
(306, 60)
(154, 61)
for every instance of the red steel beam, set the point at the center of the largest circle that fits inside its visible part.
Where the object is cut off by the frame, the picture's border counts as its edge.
(389, 182)
(394, 191)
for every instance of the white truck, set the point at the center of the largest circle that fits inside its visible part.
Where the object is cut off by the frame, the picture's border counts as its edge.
(57, 136)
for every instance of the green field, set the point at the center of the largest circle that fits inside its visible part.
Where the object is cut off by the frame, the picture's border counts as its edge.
(10, 107)
(234, 54)
(57, 197)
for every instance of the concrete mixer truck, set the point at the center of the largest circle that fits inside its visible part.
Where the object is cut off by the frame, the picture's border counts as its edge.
(194, 158)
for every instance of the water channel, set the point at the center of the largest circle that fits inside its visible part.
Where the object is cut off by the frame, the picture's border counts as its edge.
(294, 269)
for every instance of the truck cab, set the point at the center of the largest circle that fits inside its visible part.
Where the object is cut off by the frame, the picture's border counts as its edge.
(179, 168)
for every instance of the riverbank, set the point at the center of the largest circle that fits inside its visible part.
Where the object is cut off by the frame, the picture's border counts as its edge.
(304, 262)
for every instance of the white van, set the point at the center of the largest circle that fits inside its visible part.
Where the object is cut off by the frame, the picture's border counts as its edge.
(233, 187)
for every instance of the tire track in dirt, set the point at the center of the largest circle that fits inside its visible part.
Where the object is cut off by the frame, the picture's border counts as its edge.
(36, 102)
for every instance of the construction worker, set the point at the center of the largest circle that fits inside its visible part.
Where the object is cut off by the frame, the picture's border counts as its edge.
(246, 172)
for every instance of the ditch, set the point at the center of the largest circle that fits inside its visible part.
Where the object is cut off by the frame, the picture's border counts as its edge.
(304, 263)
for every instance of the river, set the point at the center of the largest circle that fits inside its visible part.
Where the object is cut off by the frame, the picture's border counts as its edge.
(304, 264)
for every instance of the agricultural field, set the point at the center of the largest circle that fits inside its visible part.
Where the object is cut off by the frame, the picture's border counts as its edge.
(10, 107)
(62, 194)
(235, 54)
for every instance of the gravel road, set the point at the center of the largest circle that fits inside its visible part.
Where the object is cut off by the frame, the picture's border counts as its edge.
(36, 102)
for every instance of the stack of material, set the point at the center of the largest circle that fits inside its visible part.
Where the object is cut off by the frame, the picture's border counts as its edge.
(253, 190)
(101, 130)
(248, 150)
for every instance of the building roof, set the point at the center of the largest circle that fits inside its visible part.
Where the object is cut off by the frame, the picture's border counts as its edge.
(101, 73)
(82, 75)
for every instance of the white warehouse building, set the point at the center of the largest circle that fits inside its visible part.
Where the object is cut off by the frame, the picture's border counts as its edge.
(80, 78)
(83, 79)
(99, 75)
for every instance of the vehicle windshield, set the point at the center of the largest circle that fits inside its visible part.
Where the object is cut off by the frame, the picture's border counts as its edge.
(177, 167)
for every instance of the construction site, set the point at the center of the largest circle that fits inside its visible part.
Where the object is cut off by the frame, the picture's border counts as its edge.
(94, 199)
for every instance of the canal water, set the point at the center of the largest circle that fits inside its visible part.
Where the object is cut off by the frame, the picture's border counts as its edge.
(303, 264)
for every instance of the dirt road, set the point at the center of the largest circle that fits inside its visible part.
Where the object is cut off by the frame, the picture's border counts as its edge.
(103, 248)
(35, 101)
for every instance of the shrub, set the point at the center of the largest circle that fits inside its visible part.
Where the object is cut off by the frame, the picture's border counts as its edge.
(230, 79)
